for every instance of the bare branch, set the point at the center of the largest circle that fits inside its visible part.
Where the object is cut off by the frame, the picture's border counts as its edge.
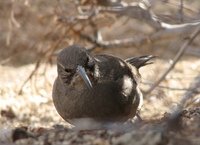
(176, 58)
(141, 11)
(172, 88)
(194, 86)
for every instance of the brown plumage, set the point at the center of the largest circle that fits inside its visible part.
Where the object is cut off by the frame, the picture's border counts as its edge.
(101, 87)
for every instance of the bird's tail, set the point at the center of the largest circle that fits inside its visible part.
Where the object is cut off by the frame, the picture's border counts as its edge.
(140, 61)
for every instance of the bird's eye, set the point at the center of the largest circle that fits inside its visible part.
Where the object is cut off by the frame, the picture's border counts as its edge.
(62, 67)
(67, 70)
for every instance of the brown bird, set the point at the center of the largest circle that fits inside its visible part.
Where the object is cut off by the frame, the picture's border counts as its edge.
(101, 87)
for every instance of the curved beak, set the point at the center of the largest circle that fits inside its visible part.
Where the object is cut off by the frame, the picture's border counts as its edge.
(83, 74)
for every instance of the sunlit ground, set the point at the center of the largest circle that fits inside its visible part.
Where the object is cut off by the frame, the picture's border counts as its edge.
(34, 107)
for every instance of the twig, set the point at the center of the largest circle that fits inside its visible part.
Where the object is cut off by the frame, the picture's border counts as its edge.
(194, 86)
(174, 121)
(32, 73)
(136, 10)
(48, 50)
(186, 7)
(115, 43)
(11, 57)
(181, 11)
(172, 88)
(176, 58)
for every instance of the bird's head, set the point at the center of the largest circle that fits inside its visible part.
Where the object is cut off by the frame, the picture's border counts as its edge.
(75, 59)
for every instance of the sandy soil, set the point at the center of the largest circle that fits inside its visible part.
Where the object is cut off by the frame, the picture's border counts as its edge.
(34, 109)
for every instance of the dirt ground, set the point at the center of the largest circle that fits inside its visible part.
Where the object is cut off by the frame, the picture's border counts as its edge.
(29, 117)
(34, 111)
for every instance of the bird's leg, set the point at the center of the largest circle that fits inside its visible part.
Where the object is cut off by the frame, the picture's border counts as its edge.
(139, 117)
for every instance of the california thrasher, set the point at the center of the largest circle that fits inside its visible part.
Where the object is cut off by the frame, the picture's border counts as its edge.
(102, 87)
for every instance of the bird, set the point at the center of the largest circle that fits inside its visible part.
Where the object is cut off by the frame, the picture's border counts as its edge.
(97, 86)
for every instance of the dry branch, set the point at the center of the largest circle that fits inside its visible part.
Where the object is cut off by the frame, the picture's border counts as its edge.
(174, 122)
(194, 87)
(176, 58)
(141, 11)
(136, 10)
